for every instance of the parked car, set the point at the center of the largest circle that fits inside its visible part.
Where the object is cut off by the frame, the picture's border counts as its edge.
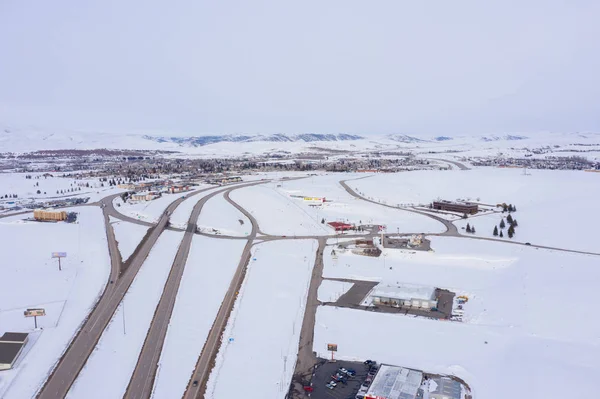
(332, 383)
(329, 386)
(527, 243)
(308, 388)
(195, 383)
(368, 361)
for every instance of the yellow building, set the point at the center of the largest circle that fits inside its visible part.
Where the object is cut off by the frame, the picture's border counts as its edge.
(44, 215)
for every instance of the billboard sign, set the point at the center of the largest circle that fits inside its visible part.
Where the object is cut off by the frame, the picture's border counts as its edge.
(35, 312)
(332, 347)
(59, 254)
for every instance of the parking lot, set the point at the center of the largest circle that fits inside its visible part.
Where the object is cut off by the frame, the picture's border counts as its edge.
(323, 375)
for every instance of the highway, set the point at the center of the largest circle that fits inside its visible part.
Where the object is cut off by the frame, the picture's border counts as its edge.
(142, 380)
(211, 346)
(66, 371)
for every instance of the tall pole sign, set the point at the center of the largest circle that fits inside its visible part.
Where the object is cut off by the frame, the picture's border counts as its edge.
(59, 255)
(35, 313)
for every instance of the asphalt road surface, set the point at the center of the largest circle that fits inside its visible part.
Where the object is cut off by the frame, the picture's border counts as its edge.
(142, 380)
(74, 358)
(211, 346)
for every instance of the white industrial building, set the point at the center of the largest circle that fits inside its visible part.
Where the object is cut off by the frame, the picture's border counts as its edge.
(404, 296)
(393, 382)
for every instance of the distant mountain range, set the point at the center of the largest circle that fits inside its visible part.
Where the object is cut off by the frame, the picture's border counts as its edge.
(507, 137)
(199, 141)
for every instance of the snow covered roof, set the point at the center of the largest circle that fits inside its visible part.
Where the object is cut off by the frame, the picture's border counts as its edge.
(405, 291)
(393, 382)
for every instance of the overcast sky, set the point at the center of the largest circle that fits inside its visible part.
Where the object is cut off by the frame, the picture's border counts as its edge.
(254, 66)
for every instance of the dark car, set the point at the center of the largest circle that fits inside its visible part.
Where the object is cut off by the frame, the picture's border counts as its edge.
(195, 383)
(527, 243)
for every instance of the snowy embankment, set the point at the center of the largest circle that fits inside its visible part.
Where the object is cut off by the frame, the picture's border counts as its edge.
(331, 290)
(520, 321)
(276, 213)
(128, 236)
(31, 279)
(209, 270)
(341, 206)
(554, 207)
(147, 211)
(220, 217)
(181, 214)
(108, 370)
(263, 331)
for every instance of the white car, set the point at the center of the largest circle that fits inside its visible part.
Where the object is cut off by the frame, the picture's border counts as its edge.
(332, 383)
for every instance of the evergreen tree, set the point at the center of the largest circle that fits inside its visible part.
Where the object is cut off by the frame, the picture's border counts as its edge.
(511, 232)
(473, 229)
(514, 223)
(323, 221)
(465, 216)
(509, 219)
(514, 208)
(502, 224)
(38, 192)
(468, 228)
(504, 208)
(501, 234)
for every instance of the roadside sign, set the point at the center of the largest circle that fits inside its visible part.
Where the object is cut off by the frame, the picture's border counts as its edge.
(332, 347)
(35, 312)
(59, 254)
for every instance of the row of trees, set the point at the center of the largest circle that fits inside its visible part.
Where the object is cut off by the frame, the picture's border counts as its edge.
(470, 229)
(9, 196)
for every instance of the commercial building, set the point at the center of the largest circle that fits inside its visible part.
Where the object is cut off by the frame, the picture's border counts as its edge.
(46, 216)
(340, 226)
(444, 388)
(149, 196)
(460, 207)
(11, 345)
(393, 382)
(178, 188)
(405, 296)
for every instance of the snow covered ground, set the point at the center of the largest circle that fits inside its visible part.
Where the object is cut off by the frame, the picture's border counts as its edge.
(108, 370)
(31, 279)
(209, 270)
(181, 214)
(331, 290)
(280, 208)
(527, 330)
(260, 342)
(50, 188)
(148, 211)
(554, 208)
(128, 236)
(220, 217)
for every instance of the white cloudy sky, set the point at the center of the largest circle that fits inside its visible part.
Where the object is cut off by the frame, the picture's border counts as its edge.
(232, 66)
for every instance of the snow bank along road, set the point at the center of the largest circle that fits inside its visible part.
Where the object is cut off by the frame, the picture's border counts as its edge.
(74, 358)
(142, 380)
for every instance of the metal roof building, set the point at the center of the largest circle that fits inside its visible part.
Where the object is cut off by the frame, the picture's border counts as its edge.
(445, 388)
(393, 382)
(11, 345)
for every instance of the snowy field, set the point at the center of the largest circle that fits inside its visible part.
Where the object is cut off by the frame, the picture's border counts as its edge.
(50, 189)
(31, 279)
(280, 208)
(181, 214)
(220, 217)
(128, 236)
(331, 290)
(108, 370)
(260, 342)
(554, 208)
(209, 270)
(147, 211)
(520, 303)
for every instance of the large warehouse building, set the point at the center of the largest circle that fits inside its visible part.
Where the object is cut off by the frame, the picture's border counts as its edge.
(393, 382)
(11, 345)
(460, 207)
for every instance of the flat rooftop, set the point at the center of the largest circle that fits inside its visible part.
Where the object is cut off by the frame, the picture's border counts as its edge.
(404, 291)
(9, 351)
(14, 337)
(393, 382)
